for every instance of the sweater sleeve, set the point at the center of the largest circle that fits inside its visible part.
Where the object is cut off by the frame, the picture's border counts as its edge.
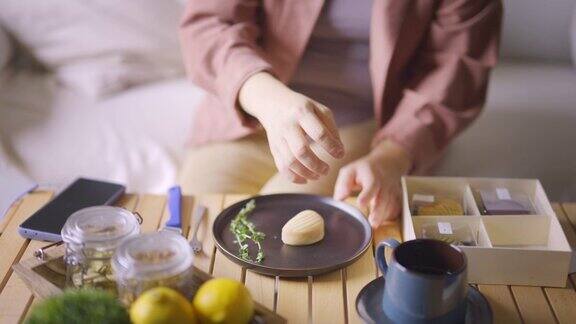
(448, 79)
(219, 43)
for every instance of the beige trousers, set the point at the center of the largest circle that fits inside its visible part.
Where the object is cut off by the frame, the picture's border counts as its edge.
(246, 166)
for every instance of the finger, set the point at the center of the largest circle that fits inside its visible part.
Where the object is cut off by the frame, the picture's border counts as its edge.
(325, 114)
(393, 202)
(300, 148)
(293, 177)
(345, 183)
(291, 163)
(393, 207)
(376, 209)
(316, 129)
(385, 208)
(370, 187)
(283, 168)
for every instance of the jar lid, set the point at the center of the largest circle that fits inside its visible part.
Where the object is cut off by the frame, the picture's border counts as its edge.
(102, 226)
(153, 255)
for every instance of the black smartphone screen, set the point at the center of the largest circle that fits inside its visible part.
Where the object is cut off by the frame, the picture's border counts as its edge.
(47, 223)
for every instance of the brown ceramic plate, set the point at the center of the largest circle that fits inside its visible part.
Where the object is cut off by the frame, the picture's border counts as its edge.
(347, 235)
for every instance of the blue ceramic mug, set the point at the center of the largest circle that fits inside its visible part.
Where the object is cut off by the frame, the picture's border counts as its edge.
(425, 281)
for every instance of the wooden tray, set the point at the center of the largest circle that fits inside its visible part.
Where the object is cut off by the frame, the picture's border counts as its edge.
(46, 277)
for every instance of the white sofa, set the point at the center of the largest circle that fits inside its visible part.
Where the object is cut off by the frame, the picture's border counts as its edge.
(528, 128)
(99, 113)
(137, 136)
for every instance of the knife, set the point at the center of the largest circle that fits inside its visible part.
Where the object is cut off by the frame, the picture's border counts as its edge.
(174, 222)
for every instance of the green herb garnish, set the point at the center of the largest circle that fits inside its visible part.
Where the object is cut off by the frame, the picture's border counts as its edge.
(244, 230)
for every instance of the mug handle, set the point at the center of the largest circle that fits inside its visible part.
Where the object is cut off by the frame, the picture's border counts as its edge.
(381, 257)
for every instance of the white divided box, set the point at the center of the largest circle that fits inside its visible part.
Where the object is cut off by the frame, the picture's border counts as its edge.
(511, 249)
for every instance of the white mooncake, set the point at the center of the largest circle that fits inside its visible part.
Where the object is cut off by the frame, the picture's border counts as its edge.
(306, 227)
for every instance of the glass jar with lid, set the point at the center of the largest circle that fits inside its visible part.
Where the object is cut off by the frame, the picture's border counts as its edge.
(151, 260)
(91, 236)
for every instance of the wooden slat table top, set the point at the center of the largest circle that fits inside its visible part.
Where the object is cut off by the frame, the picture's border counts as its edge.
(323, 299)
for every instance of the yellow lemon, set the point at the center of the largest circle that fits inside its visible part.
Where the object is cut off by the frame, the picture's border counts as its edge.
(162, 305)
(223, 301)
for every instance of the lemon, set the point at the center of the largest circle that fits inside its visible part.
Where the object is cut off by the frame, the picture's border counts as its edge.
(162, 305)
(223, 301)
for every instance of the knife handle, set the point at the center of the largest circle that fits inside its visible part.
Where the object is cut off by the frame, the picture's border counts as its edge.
(174, 202)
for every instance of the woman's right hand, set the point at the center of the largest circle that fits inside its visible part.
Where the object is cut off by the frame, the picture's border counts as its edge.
(292, 122)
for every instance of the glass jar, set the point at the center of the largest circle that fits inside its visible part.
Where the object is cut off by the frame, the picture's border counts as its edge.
(151, 260)
(91, 236)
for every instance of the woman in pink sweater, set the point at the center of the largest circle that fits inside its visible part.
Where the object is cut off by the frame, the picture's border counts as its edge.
(332, 96)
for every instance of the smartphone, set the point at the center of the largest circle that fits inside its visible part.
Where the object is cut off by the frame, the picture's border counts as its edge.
(46, 224)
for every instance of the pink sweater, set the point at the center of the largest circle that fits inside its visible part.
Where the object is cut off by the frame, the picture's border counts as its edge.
(430, 61)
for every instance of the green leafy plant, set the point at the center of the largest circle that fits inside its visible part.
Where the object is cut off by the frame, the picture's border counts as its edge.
(244, 230)
(86, 306)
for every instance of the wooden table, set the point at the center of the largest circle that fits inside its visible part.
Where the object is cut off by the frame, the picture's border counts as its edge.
(324, 299)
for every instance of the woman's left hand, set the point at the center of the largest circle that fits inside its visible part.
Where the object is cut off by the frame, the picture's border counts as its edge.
(377, 177)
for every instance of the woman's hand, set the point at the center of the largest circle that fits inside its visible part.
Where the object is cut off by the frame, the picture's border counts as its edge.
(377, 177)
(292, 122)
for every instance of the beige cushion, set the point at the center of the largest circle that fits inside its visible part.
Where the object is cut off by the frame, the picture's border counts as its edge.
(99, 46)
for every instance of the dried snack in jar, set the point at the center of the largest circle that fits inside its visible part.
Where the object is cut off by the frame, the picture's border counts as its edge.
(91, 236)
(152, 260)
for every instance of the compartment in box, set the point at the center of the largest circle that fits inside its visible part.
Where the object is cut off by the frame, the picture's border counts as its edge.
(510, 197)
(458, 230)
(525, 231)
(429, 196)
